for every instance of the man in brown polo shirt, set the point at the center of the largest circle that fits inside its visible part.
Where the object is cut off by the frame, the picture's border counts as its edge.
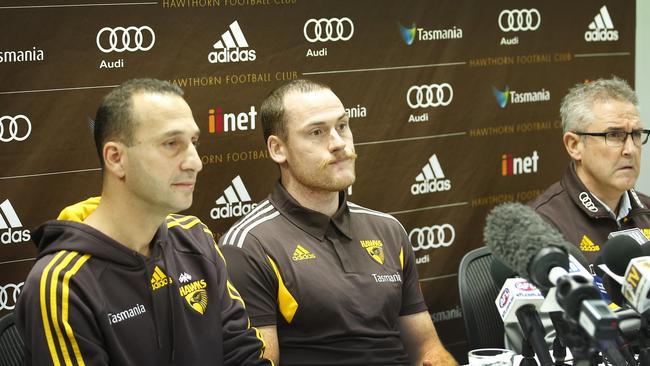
(326, 281)
(603, 135)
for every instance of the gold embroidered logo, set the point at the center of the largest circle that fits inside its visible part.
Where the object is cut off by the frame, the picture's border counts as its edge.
(300, 254)
(196, 295)
(375, 249)
(586, 245)
(159, 279)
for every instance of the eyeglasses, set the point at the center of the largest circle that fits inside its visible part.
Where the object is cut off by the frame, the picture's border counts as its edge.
(618, 138)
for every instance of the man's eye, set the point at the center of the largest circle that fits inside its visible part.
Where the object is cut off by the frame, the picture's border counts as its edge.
(619, 135)
(316, 132)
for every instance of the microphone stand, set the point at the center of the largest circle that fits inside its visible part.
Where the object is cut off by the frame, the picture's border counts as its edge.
(644, 339)
(528, 354)
(533, 330)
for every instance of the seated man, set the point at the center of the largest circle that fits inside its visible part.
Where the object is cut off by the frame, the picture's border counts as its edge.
(327, 281)
(123, 281)
(603, 135)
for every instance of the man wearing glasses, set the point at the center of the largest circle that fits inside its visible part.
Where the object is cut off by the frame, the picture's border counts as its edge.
(603, 135)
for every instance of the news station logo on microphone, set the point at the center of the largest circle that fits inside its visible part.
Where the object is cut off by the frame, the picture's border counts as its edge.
(636, 286)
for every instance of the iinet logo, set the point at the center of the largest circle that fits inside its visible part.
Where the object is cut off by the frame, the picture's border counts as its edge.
(432, 179)
(518, 165)
(233, 201)
(219, 122)
(232, 47)
(9, 221)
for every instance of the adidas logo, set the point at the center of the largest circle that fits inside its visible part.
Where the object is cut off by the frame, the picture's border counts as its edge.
(602, 28)
(228, 47)
(586, 245)
(232, 202)
(431, 179)
(184, 278)
(301, 254)
(9, 221)
(159, 279)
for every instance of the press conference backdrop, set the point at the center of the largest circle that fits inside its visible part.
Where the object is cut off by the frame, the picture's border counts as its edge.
(453, 105)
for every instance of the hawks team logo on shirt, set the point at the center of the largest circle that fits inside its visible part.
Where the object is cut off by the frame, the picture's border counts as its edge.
(375, 249)
(196, 295)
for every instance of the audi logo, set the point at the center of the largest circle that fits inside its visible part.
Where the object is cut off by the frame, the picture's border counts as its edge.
(434, 236)
(423, 96)
(332, 29)
(16, 128)
(587, 202)
(8, 295)
(516, 20)
(120, 39)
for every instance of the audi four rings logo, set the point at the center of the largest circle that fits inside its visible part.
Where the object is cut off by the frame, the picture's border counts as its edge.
(8, 295)
(434, 236)
(16, 128)
(332, 29)
(423, 96)
(515, 20)
(587, 202)
(120, 39)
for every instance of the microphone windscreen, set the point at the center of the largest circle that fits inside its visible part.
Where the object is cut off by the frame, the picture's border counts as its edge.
(500, 272)
(645, 248)
(619, 251)
(515, 233)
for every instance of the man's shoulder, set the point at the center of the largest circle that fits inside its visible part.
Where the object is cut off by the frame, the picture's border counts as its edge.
(261, 221)
(551, 197)
(374, 217)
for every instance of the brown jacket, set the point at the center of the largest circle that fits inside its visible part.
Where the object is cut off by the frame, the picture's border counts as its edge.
(582, 219)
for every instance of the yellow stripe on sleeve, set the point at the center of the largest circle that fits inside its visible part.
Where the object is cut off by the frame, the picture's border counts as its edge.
(64, 310)
(286, 302)
(53, 308)
(401, 258)
(43, 301)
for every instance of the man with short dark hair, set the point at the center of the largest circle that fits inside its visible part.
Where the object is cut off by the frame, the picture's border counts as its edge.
(603, 135)
(122, 280)
(326, 281)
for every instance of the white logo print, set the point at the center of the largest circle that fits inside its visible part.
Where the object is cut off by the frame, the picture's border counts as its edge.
(184, 278)
(8, 295)
(434, 236)
(602, 28)
(432, 179)
(423, 96)
(10, 222)
(230, 48)
(587, 202)
(232, 202)
(323, 30)
(120, 39)
(16, 128)
(516, 20)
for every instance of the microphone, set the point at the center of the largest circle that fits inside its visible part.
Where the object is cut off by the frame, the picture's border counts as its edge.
(520, 238)
(517, 302)
(636, 287)
(619, 251)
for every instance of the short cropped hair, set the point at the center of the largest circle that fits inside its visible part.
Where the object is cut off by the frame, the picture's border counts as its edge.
(272, 111)
(114, 120)
(577, 106)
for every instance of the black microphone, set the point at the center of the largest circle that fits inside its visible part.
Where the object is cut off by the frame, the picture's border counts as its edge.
(520, 238)
(619, 251)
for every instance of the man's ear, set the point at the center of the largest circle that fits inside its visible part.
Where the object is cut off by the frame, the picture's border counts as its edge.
(277, 149)
(573, 145)
(114, 154)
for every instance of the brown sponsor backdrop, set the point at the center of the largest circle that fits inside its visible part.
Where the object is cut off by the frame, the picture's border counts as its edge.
(435, 163)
